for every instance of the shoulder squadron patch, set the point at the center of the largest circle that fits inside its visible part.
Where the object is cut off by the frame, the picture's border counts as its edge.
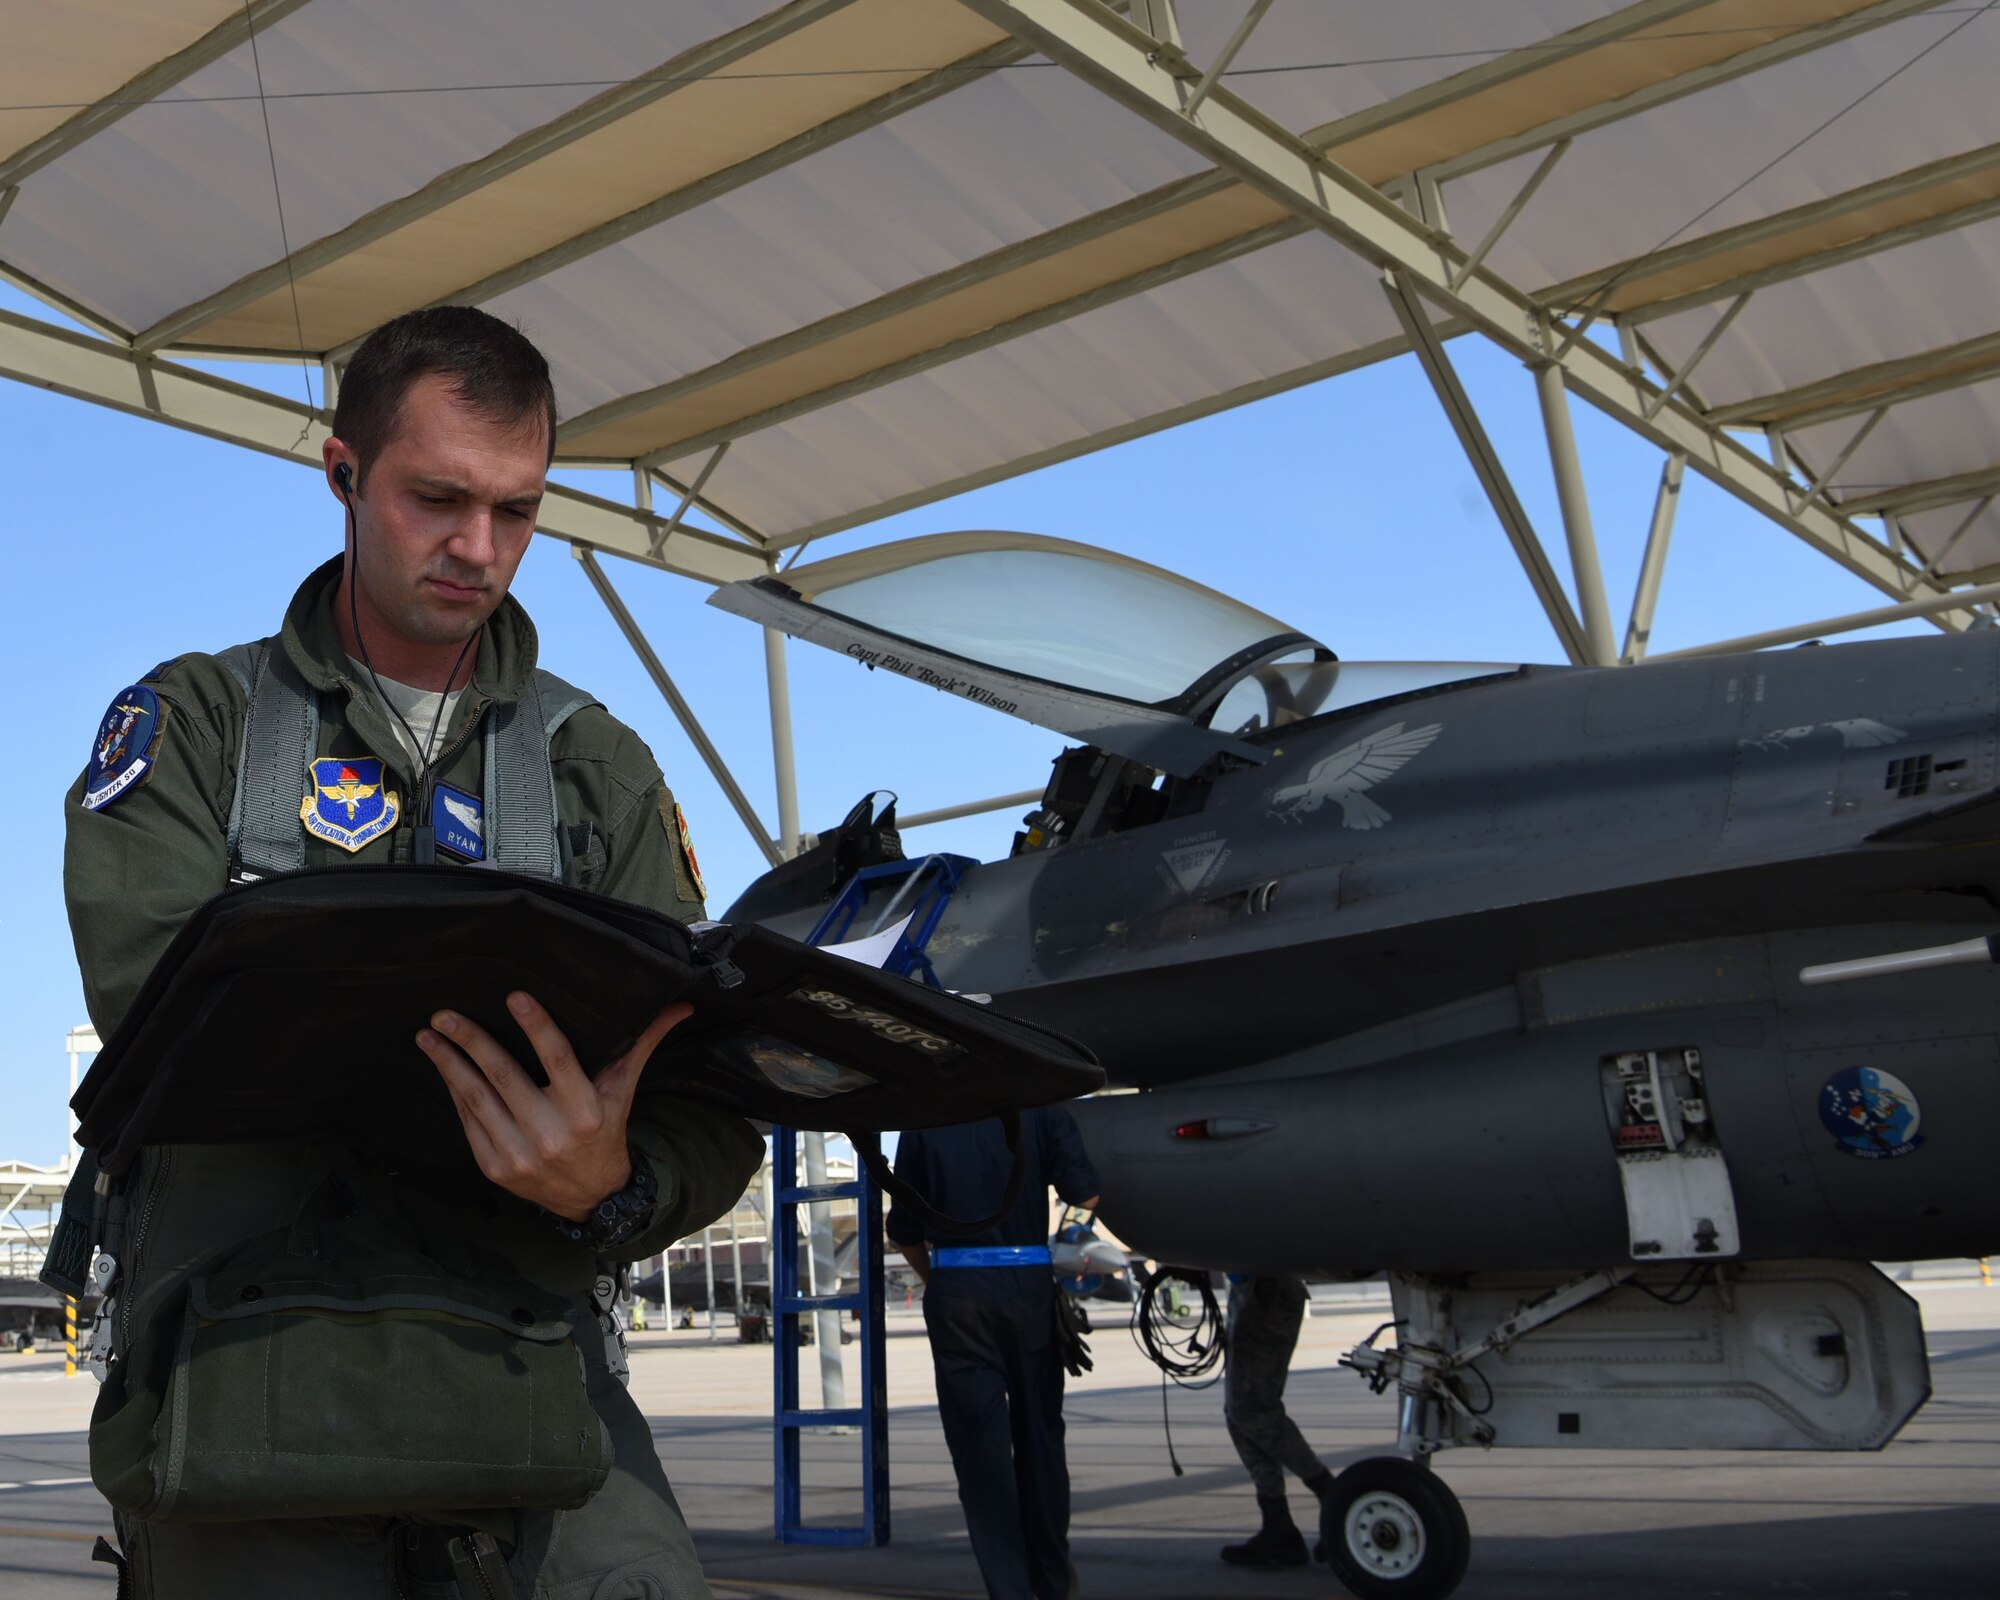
(687, 870)
(120, 757)
(349, 804)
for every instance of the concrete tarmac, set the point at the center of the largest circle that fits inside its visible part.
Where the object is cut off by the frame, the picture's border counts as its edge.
(1919, 1519)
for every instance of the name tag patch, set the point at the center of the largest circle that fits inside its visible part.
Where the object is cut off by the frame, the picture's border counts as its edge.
(349, 804)
(460, 822)
(118, 756)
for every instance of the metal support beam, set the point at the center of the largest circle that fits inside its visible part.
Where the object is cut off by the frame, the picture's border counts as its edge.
(1936, 562)
(1487, 466)
(822, 136)
(683, 712)
(1220, 64)
(1801, 41)
(1515, 207)
(1585, 570)
(1824, 481)
(1653, 566)
(1807, 220)
(1848, 394)
(972, 808)
(1961, 599)
(778, 683)
(594, 115)
(149, 85)
(688, 497)
(985, 337)
(1908, 498)
(109, 375)
(1808, 262)
(1686, 369)
(1111, 54)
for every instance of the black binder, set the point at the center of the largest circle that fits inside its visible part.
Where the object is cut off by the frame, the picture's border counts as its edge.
(289, 1009)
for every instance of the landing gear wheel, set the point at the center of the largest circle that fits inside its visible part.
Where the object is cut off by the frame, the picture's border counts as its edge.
(1392, 1531)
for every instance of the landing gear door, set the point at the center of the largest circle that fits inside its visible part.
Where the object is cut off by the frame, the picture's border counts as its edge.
(1679, 1204)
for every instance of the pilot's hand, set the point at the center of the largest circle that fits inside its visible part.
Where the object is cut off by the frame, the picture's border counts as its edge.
(562, 1148)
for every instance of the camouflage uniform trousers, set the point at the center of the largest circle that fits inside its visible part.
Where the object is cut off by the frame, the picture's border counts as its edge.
(1264, 1318)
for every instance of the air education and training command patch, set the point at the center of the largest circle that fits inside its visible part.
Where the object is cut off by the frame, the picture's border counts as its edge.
(349, 805)
(118, 757)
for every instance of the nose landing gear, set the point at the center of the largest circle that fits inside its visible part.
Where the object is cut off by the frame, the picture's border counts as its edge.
(1393, 1531)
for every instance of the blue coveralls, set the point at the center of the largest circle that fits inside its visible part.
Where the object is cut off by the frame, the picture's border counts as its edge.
(993, 1341)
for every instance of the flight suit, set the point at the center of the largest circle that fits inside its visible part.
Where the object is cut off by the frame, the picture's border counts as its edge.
(993, 1340)
(1259, 1338)
(137, 865)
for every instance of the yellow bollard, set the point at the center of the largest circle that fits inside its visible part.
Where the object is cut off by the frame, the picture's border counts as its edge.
(69, 1337)
(1985, 1272)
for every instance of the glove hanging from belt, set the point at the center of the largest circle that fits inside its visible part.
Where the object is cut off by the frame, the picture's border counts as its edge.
(1072, 1323)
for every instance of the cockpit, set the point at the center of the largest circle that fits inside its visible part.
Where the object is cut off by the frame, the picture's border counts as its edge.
(1166, 683)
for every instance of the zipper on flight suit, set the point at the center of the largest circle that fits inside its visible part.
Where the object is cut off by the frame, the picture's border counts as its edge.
(136, 1249)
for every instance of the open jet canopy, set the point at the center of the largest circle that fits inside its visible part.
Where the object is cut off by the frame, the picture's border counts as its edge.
(1106, 649)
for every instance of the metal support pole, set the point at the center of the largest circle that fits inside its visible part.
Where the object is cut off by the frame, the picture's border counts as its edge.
(1639, 631)
(683, 713)
(1957, 600)
(1486, 465)
(708, 1277)
(971, 808)
(1583, 562)
(1157, 18)
(667, 1287)
(1686, 370)
(826, 1324)
(1220, 65)
(1628, 347)
(736, 1259)
(69, 1337)
(769, 1179)
(778, 680)
(1514, 208)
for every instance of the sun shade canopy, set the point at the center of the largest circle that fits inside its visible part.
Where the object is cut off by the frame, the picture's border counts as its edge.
(805, 264)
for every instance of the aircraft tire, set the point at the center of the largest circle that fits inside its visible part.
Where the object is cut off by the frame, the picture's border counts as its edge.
(1393, 1531)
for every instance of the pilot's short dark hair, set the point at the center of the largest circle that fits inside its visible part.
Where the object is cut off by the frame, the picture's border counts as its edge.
(493, 367)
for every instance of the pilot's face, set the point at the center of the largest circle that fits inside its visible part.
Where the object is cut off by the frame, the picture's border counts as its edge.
(445, 515)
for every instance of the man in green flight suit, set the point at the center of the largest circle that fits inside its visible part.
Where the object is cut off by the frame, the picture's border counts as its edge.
(408, 654)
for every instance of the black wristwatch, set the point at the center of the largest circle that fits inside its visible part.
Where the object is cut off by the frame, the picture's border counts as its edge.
(617, 1217)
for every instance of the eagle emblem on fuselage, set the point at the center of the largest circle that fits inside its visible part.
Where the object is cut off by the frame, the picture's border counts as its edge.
(1345, 776)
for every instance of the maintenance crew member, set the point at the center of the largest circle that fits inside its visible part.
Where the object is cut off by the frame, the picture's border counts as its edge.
(409, 652)
(990, 1309)
(1262, 1332)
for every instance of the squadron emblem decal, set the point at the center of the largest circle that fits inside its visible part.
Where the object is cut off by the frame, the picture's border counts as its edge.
(1870, 1113)
(118, 756)
(349, 804)
(1346, 775)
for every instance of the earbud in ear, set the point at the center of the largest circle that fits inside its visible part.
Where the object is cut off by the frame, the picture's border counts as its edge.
(343, 475)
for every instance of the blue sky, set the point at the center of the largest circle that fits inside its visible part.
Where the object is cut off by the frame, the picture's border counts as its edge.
(1345, 508)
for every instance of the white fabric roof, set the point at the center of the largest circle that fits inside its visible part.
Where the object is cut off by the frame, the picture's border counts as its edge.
(885, 252)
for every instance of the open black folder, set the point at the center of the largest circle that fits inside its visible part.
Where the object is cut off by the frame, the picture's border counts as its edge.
(289, 1009)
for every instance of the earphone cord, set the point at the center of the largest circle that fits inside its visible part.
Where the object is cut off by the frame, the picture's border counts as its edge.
(421, 752)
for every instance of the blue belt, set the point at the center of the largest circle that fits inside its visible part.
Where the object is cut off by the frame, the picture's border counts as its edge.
(991, 1255)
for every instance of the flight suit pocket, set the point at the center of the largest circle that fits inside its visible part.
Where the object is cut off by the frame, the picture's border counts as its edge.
(359, 1380)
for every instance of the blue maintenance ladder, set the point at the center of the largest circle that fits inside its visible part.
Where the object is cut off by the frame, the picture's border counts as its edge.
(928, 887)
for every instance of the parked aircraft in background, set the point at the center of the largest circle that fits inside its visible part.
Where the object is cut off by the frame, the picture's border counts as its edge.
(1501, 980)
